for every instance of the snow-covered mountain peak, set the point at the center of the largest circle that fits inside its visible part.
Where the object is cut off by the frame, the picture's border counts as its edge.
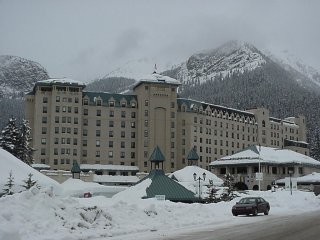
(293, 63)
(134, 69)
(233, 56)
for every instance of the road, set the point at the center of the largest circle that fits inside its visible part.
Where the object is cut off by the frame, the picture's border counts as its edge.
(298, 227)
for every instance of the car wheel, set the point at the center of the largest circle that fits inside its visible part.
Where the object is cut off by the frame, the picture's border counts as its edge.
(266, 212)
(235, 214)
(255, 212)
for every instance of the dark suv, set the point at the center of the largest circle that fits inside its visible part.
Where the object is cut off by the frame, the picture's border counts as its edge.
(251, 205)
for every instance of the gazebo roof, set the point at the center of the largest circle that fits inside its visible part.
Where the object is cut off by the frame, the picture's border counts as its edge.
(157, 155)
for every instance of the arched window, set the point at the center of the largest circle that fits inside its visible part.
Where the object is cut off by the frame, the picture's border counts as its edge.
(263, 123)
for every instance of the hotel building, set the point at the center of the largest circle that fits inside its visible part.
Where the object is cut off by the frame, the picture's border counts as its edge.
(69, 123)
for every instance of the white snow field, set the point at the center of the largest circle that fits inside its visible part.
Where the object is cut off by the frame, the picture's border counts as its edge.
(40, 215)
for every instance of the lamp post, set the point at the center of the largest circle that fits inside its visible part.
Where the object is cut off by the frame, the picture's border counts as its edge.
(199, 179)
(290, 174)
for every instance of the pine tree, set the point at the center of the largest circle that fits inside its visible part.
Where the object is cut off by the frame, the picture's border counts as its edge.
(24, 150)
(29, 183)
(229, 182)
(9, 136)
(7, 190)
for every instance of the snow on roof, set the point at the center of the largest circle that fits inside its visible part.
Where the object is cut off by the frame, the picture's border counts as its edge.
(157, 78)
(267, 155)
(186, 175)
(108, 167)
(73, 187)
(40, 166)
(135, 192)
(115, 179)
(310, 178)
(20, 172)
(60, 80)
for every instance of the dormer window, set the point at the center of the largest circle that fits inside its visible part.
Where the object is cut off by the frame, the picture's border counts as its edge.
(99, 102)
(111, 104)
(133, 104)
(85, 102)
(123, 104)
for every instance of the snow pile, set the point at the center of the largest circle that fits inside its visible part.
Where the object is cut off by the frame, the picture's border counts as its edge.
(36, 215)
(185, 175)
(77, 188)
(20, 172)
(135, 192)
(310, 178)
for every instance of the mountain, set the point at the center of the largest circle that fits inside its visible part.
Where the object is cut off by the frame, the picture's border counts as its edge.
(112, 85)
(133, 69)
(18, 75)
(238, 75)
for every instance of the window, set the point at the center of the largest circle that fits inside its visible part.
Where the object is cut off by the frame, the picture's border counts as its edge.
(69, 109)
(75, 110)
(146, 113)
(110, 133)
(133, 124)
(97, 143)
(44, 130)
(110, 143)
(223, 170)
(45, 100)
(98, 133)
(44, 119)
(85, 102)
(75, 131)
(57, 98)
(123, 124)
(84, 153)
(111, 113)
(172, 105)
(75, 141)
(133, 144)
(98, 122)
(64, 109)
(44, 109)
(56, 119)
(43, 141)
(123, 134)
(110, 154)
(76, 100)
(111, 104)
(85, 122)
(99, 102)
(85, 111)
(123, 114)
(274, 170)
(85, 132)
(133, 135)
(43, 151)
(75, 120)
(122, 155)
(145, 133)
(84, 143)
(98, 112)
(97, 153)
(74, 152)
(133, 115)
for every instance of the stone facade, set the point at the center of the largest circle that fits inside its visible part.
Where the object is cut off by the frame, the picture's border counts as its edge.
(69, 123)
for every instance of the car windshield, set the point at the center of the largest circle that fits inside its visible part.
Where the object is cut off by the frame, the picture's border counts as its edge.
(247, 200)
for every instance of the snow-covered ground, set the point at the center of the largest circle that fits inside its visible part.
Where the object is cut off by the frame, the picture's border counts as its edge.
(36, 215)
(42, 214)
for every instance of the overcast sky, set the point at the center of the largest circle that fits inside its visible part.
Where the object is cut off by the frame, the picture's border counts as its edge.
(85, 40)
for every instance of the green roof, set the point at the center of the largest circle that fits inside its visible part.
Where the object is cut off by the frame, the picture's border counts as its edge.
(157, 155)
(192, 155)
(163, 185)
(75, 168)
(106, 97)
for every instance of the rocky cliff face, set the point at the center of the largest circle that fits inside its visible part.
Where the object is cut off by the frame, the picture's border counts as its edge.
(18, 75)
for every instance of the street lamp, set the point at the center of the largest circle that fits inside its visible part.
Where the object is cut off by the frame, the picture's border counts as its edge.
(290, 174)
(199, 179)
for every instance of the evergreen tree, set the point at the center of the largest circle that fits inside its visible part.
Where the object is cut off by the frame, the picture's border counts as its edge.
(7, 190)
(229, 182)
(213, 196)
(28, 183)
(9, 137)
(24, 150)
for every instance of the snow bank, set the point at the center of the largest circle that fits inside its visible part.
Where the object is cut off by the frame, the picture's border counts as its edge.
(36, 215)
(20, 172)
